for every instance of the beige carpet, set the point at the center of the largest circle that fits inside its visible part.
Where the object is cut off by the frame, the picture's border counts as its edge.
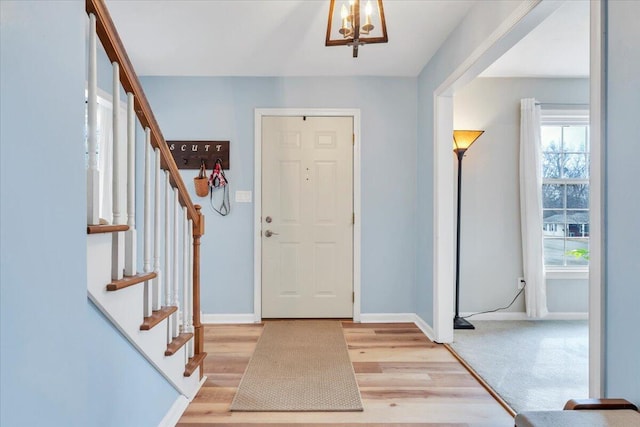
(299, 365)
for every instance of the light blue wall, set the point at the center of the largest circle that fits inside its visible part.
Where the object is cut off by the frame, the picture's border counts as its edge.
(476, 27)
(44, 370)
(223, 109)
(61, 363)
(622, 232)
(123, 388)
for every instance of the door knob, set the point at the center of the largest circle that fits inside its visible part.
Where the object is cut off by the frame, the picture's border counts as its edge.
(268, 219)
(270, 233)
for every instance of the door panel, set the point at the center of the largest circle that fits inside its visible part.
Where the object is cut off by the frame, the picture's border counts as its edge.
(307, 193)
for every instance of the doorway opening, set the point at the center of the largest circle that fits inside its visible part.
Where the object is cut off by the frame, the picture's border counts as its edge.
(445, 174)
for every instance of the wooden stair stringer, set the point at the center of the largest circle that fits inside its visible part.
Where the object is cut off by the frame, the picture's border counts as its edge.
(124, 309)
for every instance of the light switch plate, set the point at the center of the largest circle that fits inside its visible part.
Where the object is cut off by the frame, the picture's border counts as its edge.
(243, 196)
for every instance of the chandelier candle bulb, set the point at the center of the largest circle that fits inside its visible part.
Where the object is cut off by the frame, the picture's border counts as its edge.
(366, 29)
(344, 30)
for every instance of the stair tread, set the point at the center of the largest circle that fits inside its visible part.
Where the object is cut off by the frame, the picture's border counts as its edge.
(130, 280)
(157, 317)
(177, 343)
(193, 363)
(108, 228)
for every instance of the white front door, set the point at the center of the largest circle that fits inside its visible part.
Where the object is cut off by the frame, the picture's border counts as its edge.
(307, 217)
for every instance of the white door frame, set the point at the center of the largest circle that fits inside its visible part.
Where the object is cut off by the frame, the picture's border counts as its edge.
(522, 20)
(257, 186)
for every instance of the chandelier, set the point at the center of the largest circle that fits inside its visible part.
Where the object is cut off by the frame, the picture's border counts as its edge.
(349, 31)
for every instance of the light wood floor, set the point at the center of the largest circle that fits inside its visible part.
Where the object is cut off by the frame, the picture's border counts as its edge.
(404, 379)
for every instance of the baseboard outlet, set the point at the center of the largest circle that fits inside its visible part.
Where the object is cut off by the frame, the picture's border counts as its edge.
(228, 318)
(175, 412)
(521, 315)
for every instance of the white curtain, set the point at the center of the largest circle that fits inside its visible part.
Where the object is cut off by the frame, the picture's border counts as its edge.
(105, 158)
(531, 209)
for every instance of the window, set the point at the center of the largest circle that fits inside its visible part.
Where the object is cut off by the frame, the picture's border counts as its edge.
(565, 189)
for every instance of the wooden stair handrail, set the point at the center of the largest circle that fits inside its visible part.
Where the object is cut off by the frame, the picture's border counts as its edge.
(116, 53)
(113, 46)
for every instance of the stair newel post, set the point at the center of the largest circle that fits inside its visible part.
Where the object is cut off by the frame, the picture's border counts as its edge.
(189, 285)
(167, 251)
(130, 262)
(198, 331)
(117, 247)
(157, 282)
(93, 175)
(148, 305)
(176, 262)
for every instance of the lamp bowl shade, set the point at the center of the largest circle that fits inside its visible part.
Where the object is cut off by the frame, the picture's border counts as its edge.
(462, 139)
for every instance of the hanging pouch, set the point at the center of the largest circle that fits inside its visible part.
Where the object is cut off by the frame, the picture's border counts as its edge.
(217, 181)
(201, 182)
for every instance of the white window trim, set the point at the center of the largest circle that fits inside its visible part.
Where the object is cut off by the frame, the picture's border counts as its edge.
(566, 117)
(566, 273)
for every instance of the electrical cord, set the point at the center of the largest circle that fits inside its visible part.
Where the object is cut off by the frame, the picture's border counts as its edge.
(501, 308)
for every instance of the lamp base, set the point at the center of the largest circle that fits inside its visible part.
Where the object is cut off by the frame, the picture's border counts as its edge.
(460, 323)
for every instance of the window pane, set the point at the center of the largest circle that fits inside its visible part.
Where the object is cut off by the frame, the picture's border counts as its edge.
(575, 166)
(553, 195)
(574, 138)
(553, 216)
(553, 251)
(551, 137)
(551, 165)
(553, 223)
(577, 196)
(577, 252)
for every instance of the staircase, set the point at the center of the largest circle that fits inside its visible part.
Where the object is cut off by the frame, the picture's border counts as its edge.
(155, 303)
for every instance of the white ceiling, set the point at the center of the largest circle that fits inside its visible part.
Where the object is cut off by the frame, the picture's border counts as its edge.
(275, 37)
(558, 47)
(286, 38)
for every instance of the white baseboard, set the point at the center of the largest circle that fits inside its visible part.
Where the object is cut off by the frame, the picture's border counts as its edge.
(179, 406)
(387, 317)
(424, 327)
(567, 316)
(228, 318)
(175, 412)
(521, 315)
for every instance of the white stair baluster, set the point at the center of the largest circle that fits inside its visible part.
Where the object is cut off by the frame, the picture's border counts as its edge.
(130, 261)
(117, 247)
(147, 222)
(167, 251)
(93, 175)
(189, 303)
(185, 271)
(157, 282)
(176, 262)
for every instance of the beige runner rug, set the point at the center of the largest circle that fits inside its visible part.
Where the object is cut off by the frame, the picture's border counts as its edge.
(300, 365)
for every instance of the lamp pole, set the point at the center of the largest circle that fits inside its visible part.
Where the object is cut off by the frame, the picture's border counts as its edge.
(459, 322)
